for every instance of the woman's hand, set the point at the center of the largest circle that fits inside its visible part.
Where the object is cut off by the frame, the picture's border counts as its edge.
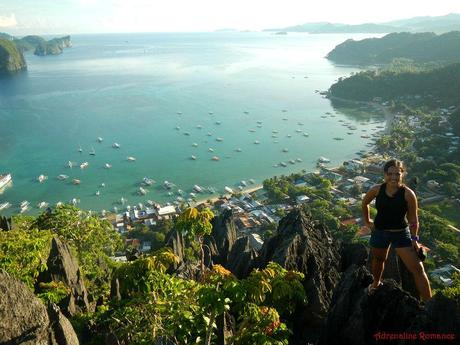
(416, 245)
(370, 225)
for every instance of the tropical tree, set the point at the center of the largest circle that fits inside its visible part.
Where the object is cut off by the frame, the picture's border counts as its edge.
(195, 225)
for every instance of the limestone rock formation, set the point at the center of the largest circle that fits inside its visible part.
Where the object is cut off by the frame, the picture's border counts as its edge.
(353, 254)
(53, 47)
(356, 318)
(26, 320)
(63, 267)
(242, 258)
(222, 238)
(11, 59)
(175, 240)
(303, 245)
(5, 223)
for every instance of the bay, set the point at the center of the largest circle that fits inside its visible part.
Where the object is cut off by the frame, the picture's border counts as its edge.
(136, 89)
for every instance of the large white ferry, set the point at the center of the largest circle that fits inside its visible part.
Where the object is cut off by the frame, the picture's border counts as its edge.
(5, 179)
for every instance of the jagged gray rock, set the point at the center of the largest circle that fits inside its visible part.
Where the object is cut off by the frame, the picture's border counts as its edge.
(242, 258)
(353, 254)
(5, 223)
(175, 240)
(356, 318)
(303, 245)
(63, 267)
(222, 238)
(26, 320)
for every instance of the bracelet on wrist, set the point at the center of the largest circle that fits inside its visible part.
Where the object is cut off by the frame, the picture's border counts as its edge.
(415, 238)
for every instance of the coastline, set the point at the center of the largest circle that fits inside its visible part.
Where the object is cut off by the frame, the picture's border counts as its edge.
(213, 199)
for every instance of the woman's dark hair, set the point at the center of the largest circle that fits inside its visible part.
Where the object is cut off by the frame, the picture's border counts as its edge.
(393, 163)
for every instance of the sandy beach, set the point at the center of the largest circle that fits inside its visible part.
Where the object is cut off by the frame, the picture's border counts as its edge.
(213, 199)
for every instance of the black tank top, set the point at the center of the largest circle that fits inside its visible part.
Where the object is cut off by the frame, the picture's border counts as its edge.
(391, 211)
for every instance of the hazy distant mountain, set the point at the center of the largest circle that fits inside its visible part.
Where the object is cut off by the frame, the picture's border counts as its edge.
(419, 47)
(439, 24)
(6, 36)
(323, 28)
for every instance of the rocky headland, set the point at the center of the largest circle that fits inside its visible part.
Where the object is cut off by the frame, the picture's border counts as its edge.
(11, 58)
(12, 50)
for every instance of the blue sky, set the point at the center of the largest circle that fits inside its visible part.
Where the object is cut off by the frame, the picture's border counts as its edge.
(22, 17)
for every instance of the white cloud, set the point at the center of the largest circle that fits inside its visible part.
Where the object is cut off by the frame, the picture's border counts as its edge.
(6, 22)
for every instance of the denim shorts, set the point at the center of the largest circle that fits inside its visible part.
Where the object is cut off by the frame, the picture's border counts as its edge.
(397, 239)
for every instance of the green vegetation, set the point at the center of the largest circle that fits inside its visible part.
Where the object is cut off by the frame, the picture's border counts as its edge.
(436, 234)
(24, 250)
(453, 291)
(322, 207)
(153, 304)
(439, 83)
(156, 305)
(447, 210)
(23, 253)
(93, 240)
(195, 225)
(282, 188)
(420, 47)
(29, 42)
(11, 59)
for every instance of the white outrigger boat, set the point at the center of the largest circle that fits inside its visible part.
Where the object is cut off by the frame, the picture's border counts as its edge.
(228, 190)
(42, 204)
(148, 181)
(42, 178)
(4, 206)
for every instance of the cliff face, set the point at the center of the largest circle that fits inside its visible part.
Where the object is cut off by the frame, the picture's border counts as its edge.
(11, 59)
(303, 245)
(53, 47)
(26, 320)
(62, 266)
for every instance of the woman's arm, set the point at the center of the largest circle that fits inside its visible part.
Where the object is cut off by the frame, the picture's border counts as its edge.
(412, 213)
(370, 195)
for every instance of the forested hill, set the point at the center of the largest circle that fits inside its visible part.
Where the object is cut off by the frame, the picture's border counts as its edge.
(441, 83)
(420, 47)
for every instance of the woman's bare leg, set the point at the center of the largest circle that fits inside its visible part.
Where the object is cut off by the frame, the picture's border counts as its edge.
(415, 266)
(379, 256)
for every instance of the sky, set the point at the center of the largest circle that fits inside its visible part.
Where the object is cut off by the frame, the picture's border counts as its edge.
(22, 17)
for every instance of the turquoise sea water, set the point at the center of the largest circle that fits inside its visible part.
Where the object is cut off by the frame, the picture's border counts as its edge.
(129, 88)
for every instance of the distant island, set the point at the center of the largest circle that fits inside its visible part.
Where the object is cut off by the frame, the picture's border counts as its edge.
(440, 24)
(420, 47)
(11, 50)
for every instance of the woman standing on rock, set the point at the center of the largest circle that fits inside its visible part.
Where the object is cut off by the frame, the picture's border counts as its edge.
(396, 223)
